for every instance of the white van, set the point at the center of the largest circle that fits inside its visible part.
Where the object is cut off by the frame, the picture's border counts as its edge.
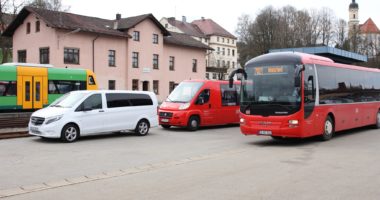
(81, 113)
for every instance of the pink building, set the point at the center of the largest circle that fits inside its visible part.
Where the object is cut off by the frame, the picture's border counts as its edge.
(135, 53)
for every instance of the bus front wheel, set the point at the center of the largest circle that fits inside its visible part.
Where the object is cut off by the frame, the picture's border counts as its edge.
(378, 119)
(328, 129)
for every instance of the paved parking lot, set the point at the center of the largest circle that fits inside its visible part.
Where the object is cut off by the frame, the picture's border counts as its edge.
(213, 163)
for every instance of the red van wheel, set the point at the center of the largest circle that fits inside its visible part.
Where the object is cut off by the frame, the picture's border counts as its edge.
(193, 123)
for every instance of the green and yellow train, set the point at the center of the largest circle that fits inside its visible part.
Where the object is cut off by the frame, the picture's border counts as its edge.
(26, 86)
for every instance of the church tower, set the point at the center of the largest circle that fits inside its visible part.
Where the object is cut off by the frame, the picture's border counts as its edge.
(353, 22)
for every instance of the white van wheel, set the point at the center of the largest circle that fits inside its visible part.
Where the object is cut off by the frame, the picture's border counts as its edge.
(70, 133)
(142, 127)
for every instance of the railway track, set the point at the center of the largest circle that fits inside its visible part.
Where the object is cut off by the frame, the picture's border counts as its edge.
(14, 125)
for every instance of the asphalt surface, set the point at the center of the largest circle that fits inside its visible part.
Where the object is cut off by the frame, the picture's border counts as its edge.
(212, 163)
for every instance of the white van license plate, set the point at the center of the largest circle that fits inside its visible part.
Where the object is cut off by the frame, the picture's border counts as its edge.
(164, 120)
(265, 132)
(34, 129)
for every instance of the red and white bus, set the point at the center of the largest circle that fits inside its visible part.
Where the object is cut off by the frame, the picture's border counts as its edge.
(195, 103)
(300, 95)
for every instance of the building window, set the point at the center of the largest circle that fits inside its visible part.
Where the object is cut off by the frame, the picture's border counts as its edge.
(228, 64)
(111, 84)
(28, 28)
(222, 40)
(233, 52)
(136, 36)
(155, 86)
(38, 26)
(233, 64)
(218, 51)
(71, 56)
(135, 84)
(207, 76)
(21, 56)
(228, 52)
(155, 61)
(135, 59)
(155, 39)
(233, 41)
(44, 56)
(171, 63)
(171, 86)
(224, 51)
(111, 58)
(217, 39)
(218, 63)
(228, 41)
(194, 65)
(213, 75)
(223, 63)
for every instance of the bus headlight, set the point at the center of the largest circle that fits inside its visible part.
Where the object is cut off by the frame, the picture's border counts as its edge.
(53, 119)
(184, 106)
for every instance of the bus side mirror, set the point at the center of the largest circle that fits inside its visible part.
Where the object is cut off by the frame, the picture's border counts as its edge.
(297, 82)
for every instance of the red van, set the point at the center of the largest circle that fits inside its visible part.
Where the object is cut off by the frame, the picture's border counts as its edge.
(195, 103)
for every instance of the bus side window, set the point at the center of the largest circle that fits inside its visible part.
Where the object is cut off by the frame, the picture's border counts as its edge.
(91, 80)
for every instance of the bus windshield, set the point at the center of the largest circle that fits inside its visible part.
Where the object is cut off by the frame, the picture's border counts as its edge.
(68, 100)
(271, 90)
(184, 92)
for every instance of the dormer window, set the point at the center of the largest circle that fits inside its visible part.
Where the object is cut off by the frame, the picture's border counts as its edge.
(38, 26)
(28, 28)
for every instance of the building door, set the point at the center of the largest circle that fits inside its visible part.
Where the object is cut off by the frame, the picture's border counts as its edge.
(27, 92)
(145, 85)
(37, 92)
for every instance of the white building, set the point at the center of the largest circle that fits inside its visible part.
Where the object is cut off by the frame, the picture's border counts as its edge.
(223, 58)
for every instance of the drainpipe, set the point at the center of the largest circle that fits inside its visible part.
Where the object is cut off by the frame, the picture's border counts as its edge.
(93, 53)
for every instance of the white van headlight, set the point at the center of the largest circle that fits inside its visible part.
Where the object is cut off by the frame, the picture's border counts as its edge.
(184, 106)
(53, 119)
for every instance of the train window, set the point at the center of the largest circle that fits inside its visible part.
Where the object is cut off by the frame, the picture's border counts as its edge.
(38, 91)
(27, 90)
(8, 88)
(91, 80)
(62, 87)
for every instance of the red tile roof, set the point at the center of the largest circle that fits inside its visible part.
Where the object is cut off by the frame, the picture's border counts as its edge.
(369, 27)
(209, 27)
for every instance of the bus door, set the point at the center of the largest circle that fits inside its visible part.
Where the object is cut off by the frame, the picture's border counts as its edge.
(37, 92)
(310, 88)
(27, 92)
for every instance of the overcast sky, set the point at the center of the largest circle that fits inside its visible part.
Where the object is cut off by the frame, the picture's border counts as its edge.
(225, 13)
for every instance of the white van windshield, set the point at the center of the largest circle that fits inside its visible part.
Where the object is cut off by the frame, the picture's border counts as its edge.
(184, 92)
(68, 100)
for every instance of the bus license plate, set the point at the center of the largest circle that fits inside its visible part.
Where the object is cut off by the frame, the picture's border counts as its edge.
(265, 132)
(165, 120)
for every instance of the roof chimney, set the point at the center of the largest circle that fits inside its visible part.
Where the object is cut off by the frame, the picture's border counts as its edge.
(183, 18)
(118, 16)
(203, 18)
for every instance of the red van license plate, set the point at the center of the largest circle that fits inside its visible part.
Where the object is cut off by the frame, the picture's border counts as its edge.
(164, 120)
(265, 132)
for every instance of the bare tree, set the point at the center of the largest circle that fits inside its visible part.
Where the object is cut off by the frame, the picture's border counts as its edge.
(55, 5)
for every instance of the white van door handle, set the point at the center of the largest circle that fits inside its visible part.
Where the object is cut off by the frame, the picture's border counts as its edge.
(101, 110)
